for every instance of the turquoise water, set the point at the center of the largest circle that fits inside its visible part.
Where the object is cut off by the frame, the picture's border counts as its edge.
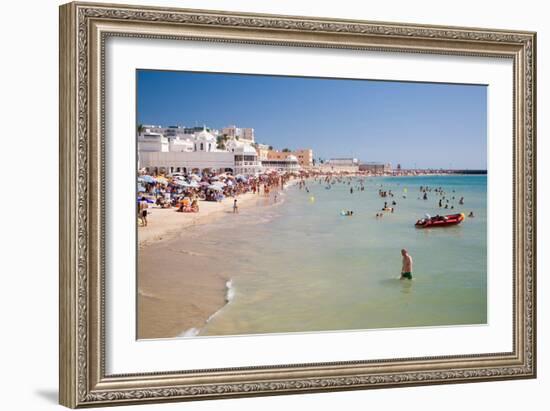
(299, 265)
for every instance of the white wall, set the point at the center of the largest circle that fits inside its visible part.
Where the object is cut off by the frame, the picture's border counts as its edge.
(28, 263)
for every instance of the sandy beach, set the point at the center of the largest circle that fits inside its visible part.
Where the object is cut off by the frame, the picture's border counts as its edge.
(166, 222)
(177, 293)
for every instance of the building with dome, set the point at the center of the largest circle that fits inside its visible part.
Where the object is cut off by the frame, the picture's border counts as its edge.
(205, 141)
(198, 152)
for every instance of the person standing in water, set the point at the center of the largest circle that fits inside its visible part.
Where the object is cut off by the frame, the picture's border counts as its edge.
(406, 268)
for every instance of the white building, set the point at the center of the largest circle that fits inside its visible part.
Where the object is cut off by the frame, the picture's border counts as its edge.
(290, 163)
(348, 162)
(152, 141)
(337, 165)
(199, 154)
(246, 157)
(205, 141)
(178, 144)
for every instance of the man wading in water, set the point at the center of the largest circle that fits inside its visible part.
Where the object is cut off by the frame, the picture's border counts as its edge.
(406, 269)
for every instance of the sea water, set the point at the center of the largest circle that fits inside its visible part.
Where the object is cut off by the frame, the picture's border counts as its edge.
(298, 265)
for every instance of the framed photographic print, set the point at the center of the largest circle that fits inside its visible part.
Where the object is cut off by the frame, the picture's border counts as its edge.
(260, 204)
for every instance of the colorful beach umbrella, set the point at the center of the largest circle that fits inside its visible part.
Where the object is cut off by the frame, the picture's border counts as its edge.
(147, 179)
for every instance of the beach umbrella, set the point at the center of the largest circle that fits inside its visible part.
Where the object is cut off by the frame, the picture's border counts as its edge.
(147, 179)
(204, 184)
(148, 200)
(162, 180)
(215, 188)
(219, 183)
(194, 184)
(141, 189)
(215, 178)
(194, 177)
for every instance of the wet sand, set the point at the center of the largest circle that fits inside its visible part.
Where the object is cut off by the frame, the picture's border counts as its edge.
(178, 287)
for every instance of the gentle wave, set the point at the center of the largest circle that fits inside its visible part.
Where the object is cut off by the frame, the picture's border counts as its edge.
(229, 295)
(191, 332)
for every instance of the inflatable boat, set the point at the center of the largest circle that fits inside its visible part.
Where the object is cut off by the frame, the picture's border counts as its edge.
(440, 221)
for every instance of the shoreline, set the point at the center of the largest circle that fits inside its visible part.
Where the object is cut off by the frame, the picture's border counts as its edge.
(166, 223)
(172, 302)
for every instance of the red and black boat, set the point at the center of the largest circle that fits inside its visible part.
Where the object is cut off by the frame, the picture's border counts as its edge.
(440, 221)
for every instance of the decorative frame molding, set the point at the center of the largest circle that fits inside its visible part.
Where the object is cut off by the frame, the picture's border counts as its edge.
(84, 27)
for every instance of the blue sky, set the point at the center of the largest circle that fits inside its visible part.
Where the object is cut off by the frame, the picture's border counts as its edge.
(412, 124)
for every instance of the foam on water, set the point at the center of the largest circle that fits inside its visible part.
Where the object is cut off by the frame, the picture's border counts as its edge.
(191, 332)
(230, 291)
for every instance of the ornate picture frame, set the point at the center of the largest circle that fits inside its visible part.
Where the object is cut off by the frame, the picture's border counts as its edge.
(84, 28)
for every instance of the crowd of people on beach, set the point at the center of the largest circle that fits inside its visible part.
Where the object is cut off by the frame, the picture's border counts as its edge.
(184, 191)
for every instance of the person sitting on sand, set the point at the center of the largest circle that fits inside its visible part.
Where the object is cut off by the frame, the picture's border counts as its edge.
(195, 206)
(406, 267)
